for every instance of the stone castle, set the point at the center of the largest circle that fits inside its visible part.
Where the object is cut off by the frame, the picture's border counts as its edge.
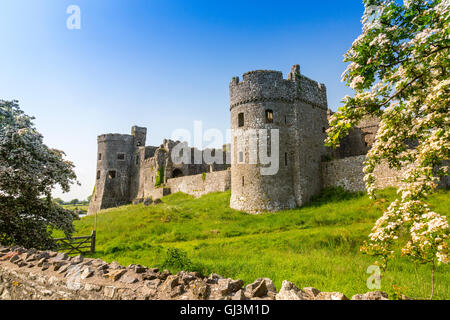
(128, 171)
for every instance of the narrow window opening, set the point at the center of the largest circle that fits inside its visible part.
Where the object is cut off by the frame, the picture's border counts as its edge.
(121, 156)
(112, 174)
(137, 159)
(241, 157)
(285, 119)
(243, 181)
(98, 174)
(99, 156)
(324, 130)
(269, 116)
(285, 159)
(241, 119)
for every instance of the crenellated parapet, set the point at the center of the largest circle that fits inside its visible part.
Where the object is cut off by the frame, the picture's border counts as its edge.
(262, 86)
(270, 86)
(313, 93)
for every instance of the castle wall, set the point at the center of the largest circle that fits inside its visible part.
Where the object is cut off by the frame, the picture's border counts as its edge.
(359, 140)
(199, 185)
(312, 123)
(348, 173)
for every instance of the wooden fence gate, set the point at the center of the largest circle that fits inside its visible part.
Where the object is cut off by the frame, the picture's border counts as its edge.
(85, 244)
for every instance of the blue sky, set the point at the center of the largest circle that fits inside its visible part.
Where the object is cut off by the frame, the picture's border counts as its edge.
(159, 64)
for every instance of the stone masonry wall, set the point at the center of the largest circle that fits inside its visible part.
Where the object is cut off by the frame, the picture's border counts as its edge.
(348, 173)
(45, 275)
(198, 185)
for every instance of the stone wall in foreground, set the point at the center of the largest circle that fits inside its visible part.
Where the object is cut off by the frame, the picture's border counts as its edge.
(45, 275)
(201, 184)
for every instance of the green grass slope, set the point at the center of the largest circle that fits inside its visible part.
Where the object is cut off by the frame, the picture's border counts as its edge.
(317, 245)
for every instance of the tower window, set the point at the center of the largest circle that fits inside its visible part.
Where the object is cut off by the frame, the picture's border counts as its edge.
(112, 174)
(241, 119)
(99, 156)
(285, 119)
(98, 174)
(324, 130)
(285, 159)
(241, 157)
(121, 156)
(269, 116)
(243, 181)
(137, 159)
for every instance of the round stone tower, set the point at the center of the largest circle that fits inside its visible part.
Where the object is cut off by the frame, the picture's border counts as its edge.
(263, 113)
(115, 157)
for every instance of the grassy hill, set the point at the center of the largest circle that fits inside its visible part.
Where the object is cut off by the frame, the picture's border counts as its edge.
(317, 245)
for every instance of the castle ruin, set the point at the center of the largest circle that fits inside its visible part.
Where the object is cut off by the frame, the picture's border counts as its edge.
(128, 171)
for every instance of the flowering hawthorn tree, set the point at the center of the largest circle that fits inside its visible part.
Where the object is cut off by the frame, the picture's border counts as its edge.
(399, 69)
(28, 172)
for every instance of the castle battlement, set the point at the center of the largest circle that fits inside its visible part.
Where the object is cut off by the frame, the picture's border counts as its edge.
(270, 86)
(312, 92)
(262, 85)
(115, 137)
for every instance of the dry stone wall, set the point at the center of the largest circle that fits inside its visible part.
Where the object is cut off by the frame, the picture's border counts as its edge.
(46, 275)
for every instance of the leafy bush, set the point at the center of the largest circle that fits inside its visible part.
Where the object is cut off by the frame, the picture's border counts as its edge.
(177, 259)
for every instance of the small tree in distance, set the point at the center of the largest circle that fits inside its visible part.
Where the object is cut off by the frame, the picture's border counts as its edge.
(399, 69)
(28, 172)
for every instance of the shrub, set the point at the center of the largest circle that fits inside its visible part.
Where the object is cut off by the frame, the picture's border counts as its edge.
(159, 177)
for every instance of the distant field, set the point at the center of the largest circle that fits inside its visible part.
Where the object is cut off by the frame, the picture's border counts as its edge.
(317, 245)
(82, 208)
